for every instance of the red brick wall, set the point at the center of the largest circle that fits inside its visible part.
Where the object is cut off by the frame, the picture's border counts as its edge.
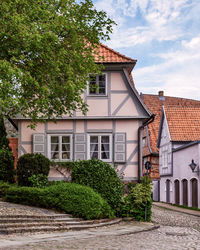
(14, 146)
(154, 172)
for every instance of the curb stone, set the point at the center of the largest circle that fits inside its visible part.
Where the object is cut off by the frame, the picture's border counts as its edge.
(177, 209)
(106, 231)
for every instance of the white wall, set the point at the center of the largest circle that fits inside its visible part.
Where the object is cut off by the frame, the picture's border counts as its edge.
(181, 170)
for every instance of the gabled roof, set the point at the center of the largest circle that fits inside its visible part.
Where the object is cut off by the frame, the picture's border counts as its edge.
(109, 55)
(183, 123)
(106, 55)
(154, 103)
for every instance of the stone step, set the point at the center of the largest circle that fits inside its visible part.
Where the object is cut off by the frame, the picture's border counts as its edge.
(51, 223)
(50, 216)
(21, 220)
(58, 227)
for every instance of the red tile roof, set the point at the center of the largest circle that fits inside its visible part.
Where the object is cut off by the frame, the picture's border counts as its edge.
(154, 104)
(109, 55)
(183, 123)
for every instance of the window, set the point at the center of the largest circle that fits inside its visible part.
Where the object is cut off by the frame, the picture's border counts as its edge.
(97, 85)
(100, 147)
(60, 147)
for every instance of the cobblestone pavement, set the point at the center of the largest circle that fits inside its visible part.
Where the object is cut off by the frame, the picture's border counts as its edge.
(7, 208)
(177, 231)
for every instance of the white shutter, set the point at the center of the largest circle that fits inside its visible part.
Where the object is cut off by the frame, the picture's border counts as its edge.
(38, 143)
(120, 147)
(80, 147)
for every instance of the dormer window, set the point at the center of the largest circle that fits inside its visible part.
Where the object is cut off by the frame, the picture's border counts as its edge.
(97, 85)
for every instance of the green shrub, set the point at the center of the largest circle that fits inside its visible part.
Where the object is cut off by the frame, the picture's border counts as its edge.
(80, 201)
(39, 180)
(4, 142)
(138, 202)
(7, 171)
(3, 188)
(101, 177)
(31, 164)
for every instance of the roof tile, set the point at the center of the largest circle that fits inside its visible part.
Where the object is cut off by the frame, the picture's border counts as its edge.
(109, 55)
(154, 104)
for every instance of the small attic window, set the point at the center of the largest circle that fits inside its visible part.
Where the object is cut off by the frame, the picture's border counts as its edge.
(97, 85)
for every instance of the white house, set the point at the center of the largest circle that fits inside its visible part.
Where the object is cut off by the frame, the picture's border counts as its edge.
(179, 150)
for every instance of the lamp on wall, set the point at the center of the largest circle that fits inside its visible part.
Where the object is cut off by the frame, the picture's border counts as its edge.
(193, 165)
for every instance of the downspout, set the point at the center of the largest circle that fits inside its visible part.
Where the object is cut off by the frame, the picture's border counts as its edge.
(150, 120)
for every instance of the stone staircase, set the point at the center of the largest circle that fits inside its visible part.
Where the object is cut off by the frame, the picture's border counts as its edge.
(12, 224)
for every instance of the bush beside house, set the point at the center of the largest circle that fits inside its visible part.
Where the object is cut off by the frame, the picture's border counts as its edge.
(95, 192)
(80, 201)
(101, 177)
(138, 202)
(31, 164)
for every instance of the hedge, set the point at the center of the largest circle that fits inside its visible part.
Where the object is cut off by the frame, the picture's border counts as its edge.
(101, 177)
(80, 201)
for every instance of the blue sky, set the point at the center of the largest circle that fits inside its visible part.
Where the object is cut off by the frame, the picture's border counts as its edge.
(164, 36)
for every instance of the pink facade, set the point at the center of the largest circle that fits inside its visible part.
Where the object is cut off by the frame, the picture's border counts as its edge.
(108, 131)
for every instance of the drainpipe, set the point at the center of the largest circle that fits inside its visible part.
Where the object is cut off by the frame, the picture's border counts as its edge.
(150, 120)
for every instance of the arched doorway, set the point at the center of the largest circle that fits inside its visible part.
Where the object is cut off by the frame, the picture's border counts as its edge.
(168, 191)
(177, 192)
(194, 185)
(185, 192)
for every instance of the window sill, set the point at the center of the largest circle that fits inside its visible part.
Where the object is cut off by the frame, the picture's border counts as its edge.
(97, 95)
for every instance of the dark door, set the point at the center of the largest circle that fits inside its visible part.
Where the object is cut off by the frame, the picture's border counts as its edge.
(177, 192)
(185, 192)
(168, 191)
(194, 193)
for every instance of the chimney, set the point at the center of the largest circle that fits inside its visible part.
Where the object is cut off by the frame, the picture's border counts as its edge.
(161, 95)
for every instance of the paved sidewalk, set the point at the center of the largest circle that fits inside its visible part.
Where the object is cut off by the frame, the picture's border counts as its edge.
(124, 228)
(177, 209)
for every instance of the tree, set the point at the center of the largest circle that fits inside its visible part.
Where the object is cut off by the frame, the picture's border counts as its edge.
(46, 53)
(7, 171)
(4, 142)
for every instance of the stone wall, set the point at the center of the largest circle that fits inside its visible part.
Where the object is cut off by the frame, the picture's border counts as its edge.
(11, 131)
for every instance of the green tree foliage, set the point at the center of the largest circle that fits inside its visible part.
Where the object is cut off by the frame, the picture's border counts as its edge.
(46, 53)
(7, 171)
(4, 142)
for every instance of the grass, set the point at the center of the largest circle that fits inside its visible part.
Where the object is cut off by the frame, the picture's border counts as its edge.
(190, 208)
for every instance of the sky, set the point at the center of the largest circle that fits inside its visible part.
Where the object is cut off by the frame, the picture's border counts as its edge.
(164, 37)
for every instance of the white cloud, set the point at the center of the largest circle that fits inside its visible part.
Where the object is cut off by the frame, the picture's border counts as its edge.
(177, 75)
(164, 20)
(175, 23)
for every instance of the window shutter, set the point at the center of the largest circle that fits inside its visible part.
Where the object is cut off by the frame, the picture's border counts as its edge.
(120, 147)
(38, 143)
(80, 147)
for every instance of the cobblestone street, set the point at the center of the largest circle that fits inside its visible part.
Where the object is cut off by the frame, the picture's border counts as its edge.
(177, 231)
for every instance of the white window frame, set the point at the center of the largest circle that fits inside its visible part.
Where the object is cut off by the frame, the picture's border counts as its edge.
(106, 86)
(99, 146)
(60, 146)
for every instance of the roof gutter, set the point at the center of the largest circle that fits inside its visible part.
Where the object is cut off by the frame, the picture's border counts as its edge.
(150, 120)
